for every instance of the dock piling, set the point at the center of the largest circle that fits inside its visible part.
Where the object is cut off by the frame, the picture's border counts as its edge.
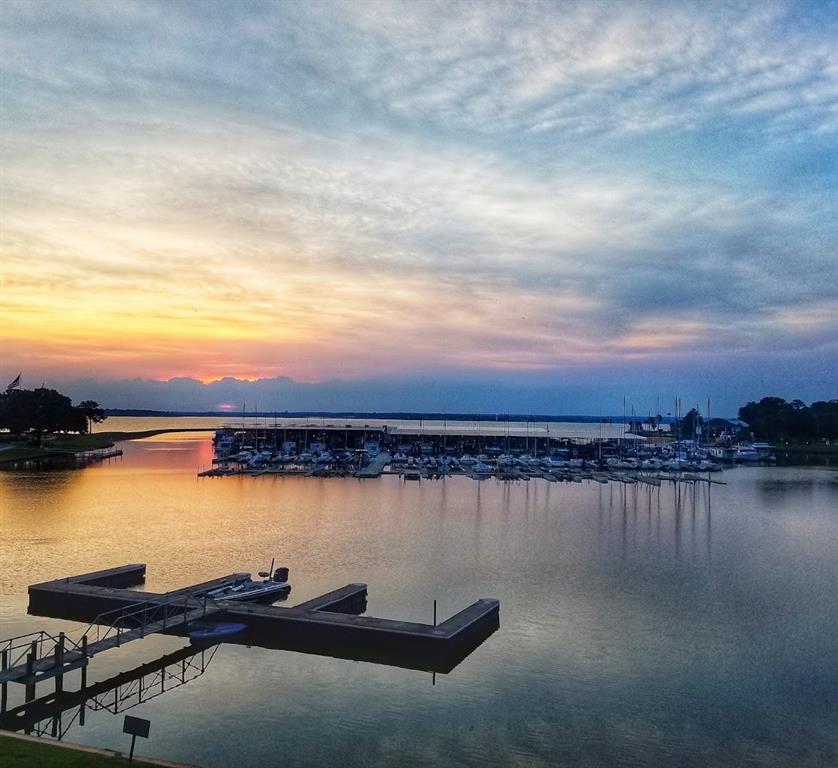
(84, 656)
(59, 663)
(4, 691)
(30, 670)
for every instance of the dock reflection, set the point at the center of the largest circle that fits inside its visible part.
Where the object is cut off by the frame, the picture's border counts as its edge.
(56, 713)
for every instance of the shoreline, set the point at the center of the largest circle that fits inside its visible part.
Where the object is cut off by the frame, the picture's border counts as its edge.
(72, 445)
(803, 448)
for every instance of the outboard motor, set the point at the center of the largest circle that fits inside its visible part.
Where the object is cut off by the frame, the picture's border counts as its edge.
(280, 575)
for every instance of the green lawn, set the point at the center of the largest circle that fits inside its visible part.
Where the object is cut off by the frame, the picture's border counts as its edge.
(19, 454)
(70, 443)
(17, 753)
(81, 442)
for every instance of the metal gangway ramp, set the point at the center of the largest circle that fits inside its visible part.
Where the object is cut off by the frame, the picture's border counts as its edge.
(40, 655)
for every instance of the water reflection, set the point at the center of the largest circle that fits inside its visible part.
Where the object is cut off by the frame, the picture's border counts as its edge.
(631, 516)
(56, 713)
(641, 625)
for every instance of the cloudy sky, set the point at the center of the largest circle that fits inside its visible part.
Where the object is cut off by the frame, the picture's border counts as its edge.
(535, 206)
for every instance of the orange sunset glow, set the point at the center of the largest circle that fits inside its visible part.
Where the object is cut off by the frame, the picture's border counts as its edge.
(182, 215)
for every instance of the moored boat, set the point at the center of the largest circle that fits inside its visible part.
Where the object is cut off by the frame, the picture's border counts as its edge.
(245, 589)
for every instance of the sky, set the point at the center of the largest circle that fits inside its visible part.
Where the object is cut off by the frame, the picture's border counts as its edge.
(532, 206)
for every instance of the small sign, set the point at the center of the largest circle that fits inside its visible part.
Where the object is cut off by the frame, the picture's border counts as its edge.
(136, 726)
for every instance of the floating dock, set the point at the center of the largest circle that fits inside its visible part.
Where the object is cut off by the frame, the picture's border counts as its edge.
(330, 625)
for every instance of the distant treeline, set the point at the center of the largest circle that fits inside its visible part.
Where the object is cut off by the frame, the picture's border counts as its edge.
(774, 418)
(384, 415)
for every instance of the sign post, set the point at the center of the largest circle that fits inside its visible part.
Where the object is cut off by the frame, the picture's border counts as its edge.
(136, 726)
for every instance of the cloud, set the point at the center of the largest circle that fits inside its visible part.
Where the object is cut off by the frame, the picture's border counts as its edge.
(355, 190)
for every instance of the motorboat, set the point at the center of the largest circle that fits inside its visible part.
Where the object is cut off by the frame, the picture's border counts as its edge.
(244, 589)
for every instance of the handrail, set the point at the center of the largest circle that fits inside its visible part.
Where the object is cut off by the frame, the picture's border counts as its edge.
(137, 616)
(119, 612)
(29, 648)
(34, 642)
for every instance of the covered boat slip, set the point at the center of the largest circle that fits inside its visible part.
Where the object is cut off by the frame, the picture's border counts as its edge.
(326, 625)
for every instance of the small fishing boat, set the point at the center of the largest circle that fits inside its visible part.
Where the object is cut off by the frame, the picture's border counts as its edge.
(273, 585)
(206, 630)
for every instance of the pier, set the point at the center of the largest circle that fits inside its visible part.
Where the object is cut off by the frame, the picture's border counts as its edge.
(329, 624)
(480, 451)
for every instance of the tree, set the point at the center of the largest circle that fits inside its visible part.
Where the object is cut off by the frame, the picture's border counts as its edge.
(825, 416)
(772, 418)
(92, 412)
(689, 424)
(42, 410)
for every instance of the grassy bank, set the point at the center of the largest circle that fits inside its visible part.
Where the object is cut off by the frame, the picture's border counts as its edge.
(63, 444)
(17, 752)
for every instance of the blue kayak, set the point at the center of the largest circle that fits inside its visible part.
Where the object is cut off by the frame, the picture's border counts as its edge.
(200, 630)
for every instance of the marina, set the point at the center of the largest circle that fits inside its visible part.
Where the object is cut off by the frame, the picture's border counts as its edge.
(504, 452)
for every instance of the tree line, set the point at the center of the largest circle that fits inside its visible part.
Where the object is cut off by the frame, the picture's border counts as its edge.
(40, 411)
(774, 418)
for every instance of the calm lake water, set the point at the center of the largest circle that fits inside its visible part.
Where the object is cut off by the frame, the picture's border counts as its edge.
(638, 627)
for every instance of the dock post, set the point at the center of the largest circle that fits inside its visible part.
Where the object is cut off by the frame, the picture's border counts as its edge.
(84, 655)
(59, 663)
(434, 612)
(83, 704)
(4, 693)
(30, 671)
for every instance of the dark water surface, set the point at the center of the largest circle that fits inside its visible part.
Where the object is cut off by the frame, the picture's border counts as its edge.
(638, 627)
